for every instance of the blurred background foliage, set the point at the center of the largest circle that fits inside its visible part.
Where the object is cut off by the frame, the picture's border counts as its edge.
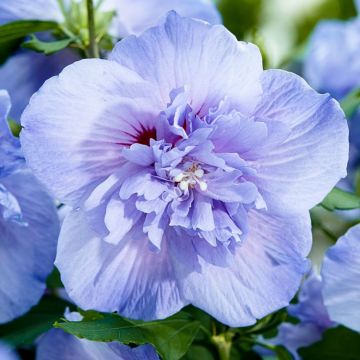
(280, 27)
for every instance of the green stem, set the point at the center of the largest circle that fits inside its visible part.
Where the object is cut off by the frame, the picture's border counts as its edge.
(259, 343)
(93, 46)
(223, 344)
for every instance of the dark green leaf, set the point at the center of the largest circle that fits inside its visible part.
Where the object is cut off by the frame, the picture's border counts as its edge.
(46, 47)
(267, 324)
(282, 353)
(54, 280)
(197, 352)
(351, 103)
(26, 329)
(7, 49)
(171, 337)
(20, 29)
(337, 343)
(339, 199)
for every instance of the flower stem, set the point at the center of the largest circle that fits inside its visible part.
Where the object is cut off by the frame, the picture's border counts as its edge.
(223, 344)
(93, 46)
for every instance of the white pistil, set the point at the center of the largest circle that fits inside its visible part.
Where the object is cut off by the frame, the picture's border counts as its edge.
(203, 185)
(191, 177)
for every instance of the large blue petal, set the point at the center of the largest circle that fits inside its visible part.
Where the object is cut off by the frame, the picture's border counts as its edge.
(183, 52)
(127, 277)
(27, 249)
(264, 276)
(341, 273)
(296, 173)
(112, 103)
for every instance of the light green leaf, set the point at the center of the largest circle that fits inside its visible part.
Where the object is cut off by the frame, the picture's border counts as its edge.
(339, 199)
(47, 47)
(171, 337)
(19, 29)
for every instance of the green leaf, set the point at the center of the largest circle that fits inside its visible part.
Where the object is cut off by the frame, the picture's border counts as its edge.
(339, 199)
(47, 47)
(282, 353)
(19, 29)
(7, 49)
(171, 337)
(54, 280)
(337, 343)
(267, 324)
(197, 352)
(25, 330)
(351, 103)
(14, 127)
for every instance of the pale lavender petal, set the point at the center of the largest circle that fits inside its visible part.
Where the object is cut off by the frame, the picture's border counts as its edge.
(128, 277)
(27, 248)
(119, 219)
(266, 273)
(296, 174)
(139, 154)
(340, 272)
(166, 52)
(109, 100)
(241, 133)
(202, 216)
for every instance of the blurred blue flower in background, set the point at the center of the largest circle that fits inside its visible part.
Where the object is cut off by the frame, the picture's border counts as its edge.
(328, 300)
(28, 227)
(341, 273)
(312, 315)
(56, 344)
(191, 176)
(26, 71)
(6, 353)
(332, 64)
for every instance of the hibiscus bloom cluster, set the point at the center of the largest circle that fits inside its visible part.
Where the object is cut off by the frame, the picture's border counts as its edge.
(188, 172)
